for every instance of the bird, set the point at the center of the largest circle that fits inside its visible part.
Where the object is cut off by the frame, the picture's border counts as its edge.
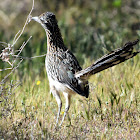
(64, 73)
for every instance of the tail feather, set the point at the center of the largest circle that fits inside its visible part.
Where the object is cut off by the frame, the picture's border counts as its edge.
(115, 57)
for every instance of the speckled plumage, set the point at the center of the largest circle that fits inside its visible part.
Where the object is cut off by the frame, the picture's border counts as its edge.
(64, 72)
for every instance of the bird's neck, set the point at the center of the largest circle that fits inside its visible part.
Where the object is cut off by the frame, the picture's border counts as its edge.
(54, 41)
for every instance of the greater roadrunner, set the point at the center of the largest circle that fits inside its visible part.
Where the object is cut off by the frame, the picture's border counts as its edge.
(64, 72)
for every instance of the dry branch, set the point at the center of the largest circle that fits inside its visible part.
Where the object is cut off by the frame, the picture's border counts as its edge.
(11, 56)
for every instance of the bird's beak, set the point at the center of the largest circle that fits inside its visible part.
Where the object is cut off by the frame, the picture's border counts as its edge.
(36, 19)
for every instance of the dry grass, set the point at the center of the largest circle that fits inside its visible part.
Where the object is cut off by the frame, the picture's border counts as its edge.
(113, 107)
(110, 112)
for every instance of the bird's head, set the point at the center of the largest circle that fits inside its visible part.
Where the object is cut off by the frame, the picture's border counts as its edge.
(47, 20)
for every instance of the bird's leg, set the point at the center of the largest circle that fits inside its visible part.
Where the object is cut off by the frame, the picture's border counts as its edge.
(59, 102)
(59, 110)
(67, 106)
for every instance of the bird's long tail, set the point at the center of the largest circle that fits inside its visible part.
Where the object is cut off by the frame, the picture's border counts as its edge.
(114, 58)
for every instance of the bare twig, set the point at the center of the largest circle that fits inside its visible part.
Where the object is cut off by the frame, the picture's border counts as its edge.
(16, 36)
(10, 56)
(18, 56)
(5, 69)
(21, 48)
(3, 80)
(9, 48)
(26, 22)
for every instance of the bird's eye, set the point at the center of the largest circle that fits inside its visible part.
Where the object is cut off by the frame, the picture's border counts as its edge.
(53, 16)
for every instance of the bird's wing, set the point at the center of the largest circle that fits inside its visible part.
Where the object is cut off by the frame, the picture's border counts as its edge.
(66, 69)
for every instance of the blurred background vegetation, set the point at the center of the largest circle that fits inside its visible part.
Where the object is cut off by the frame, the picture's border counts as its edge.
(89, 28)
